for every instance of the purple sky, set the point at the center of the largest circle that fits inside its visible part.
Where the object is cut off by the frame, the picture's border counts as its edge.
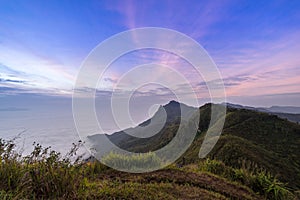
(255, 44)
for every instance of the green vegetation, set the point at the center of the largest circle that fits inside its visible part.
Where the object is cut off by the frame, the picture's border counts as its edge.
(136, 162)
(257, 157)
(266, 141)
(42, 174)
(258, 180)
(45, 174)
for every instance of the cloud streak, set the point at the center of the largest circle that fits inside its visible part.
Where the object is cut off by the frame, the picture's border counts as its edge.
(254, 45)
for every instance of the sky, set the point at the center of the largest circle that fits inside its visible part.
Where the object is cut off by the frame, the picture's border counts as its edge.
(254, 44)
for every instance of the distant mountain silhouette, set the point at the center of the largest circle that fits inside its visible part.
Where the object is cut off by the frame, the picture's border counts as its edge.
(290, 113)
(284, 109)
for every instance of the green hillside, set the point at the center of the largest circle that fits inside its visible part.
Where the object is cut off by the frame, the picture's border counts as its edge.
(256, 157)
(266, 141)
(259, 139)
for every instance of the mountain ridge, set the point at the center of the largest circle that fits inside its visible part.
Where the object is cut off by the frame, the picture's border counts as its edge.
(262, 138)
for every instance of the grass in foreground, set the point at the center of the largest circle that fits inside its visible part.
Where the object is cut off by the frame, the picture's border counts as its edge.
(45, 174)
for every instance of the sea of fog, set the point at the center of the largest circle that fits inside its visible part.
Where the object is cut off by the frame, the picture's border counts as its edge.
(47, 126)
(49, 121)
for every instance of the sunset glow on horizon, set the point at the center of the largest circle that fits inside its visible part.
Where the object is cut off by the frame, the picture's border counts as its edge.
(255, 44)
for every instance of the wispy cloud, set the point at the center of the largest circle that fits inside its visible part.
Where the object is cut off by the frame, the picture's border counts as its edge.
(271, 64)
(255, 45)
(20, 68)
(2, 80)
(193, 18)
